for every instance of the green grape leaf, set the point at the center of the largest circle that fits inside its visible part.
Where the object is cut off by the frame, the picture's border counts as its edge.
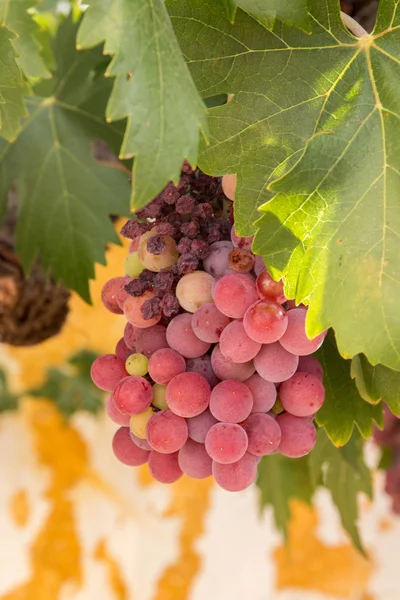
(327, 107)
(65, 197)
(14, 14)
(344, 473)
(8, 401)
(293, 12)
(281, 479)
(377, 383)
(71, 387)
(343, 407)
(153, 90)
(12, 88)
(12, 111)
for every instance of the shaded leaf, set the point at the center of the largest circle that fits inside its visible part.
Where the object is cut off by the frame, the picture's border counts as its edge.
(12, 88)
(327, 106)
(64, 195)
(293, 12)
(152, 88)
(344, 474)
(281, 479)
(377, 383)
(343, 407)
(14, 14)
(8, 401)
(72, 389)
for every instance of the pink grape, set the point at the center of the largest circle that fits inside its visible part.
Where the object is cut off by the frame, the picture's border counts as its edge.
(226, 369)
(166, 432)
(294, 339)
(231, 401)
(121, 294)
(217, 261)
(208, 323)
(109, 294)
(263, 432)
(152, 339)
(126, 450)
(144, 444)
(202, 366)
(268, 288)
(298, 435)
(164, 467)
(259, 265)
(233, 294)
(157, 262)
(180, 337)
(310, 364)
(274, 363)
(194, 460)
(131, 335)
(133, 395)
(229, 183)
(107, 371)
(164, 364)
(264, 393)
(302, 395)
(244, 243)
(133, 313)
(115, 415)
(265, 321)
(237, 476)
(122, 350)
(198, 426)
(236, 345)
(134, 244)
(194, 290)
(188, 394)
(226, 443)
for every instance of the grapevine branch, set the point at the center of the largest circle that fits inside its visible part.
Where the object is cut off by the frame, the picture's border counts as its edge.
(353, 26)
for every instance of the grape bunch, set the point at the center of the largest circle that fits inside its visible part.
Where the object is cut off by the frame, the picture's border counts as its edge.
(214, 370)
(389, 439)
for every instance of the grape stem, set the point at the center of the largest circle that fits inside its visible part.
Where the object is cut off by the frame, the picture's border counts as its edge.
(352, 25)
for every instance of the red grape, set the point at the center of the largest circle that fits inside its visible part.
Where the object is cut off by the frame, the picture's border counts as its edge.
(237, 476)
(298, 435)
(165, 364)
(107, 371)
(188, 394)
(126, 450)
(194, 460)
(226, 442)
(166, 432)
(263, 432)
(164, 467)
(133, 395)
(231, 401)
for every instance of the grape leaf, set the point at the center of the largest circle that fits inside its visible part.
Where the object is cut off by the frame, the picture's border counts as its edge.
(326, 106)
(64, 195)
(14, 15)
(280, 479)
(71, 387)
(293, 12)
(153, 89)
(377, 383)
(8, 400)
(344, 473)
(343, 407)
(12, 88)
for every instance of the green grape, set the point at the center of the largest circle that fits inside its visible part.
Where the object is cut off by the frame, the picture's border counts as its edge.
(132, 265)
(137, 364)
(159, 400)
(138, 423)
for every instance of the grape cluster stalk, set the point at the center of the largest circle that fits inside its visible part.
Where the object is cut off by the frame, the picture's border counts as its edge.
(214, 370)
(389, 439)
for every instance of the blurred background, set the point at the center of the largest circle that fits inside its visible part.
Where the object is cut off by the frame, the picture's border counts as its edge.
(76, 524)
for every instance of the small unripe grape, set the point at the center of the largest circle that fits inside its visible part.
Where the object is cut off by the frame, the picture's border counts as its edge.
(159, 396)
(194, 290)
(157, 262)
(229, 186)
(138, 423)
(137, 364)
(132, 265)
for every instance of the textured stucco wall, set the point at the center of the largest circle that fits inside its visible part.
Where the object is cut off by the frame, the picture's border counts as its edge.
(75, 524)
